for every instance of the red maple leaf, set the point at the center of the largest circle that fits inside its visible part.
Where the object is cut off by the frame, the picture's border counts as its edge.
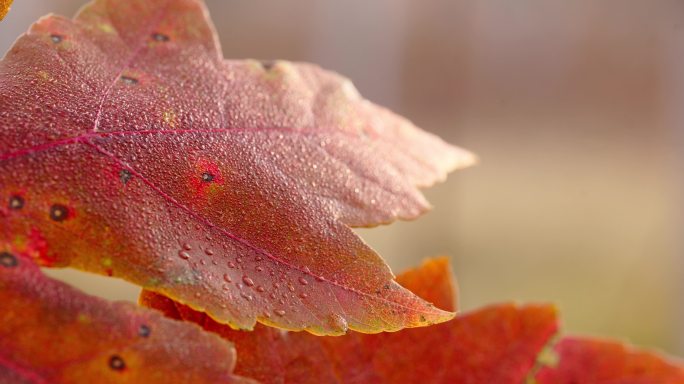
(131, 148)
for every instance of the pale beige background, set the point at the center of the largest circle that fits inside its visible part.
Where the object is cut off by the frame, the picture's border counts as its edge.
(575, 109)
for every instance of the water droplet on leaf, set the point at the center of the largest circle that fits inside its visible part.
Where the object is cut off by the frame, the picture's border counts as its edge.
(248, 282)
(337, 322)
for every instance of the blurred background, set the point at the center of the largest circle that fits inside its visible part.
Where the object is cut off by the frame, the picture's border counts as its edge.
(575, 109)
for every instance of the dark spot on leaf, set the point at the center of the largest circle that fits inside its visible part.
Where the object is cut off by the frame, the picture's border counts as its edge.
(56, 38)
(422, 318)
(129, 80)
(117, 363)
(207, 177)
(8, 260)
(125, 175)
(16, 202)
(160, 37)
(58, 212)
(144, 331)
(267, 64)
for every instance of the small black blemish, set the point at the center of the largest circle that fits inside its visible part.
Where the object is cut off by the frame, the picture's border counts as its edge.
(129, 80)
(56, 38)
(144, 331)
(207, 177)
(58, 212)
(422, 318)
(125, 175)
(117, 363)
(8, 260)
(16, 202)
(162, 38)
(267, 64)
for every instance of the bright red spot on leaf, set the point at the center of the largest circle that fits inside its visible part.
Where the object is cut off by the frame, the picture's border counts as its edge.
(206, 179)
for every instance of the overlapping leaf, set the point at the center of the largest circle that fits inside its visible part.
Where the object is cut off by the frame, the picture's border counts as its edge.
(590, 361)
(499, 344)
(131, 148)
(52, 333)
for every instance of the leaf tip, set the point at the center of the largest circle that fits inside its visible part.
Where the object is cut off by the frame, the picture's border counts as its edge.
(460, 158)
(433, 281)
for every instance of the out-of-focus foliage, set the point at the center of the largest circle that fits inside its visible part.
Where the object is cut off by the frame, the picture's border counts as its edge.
(588, 361)
(4, 8)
